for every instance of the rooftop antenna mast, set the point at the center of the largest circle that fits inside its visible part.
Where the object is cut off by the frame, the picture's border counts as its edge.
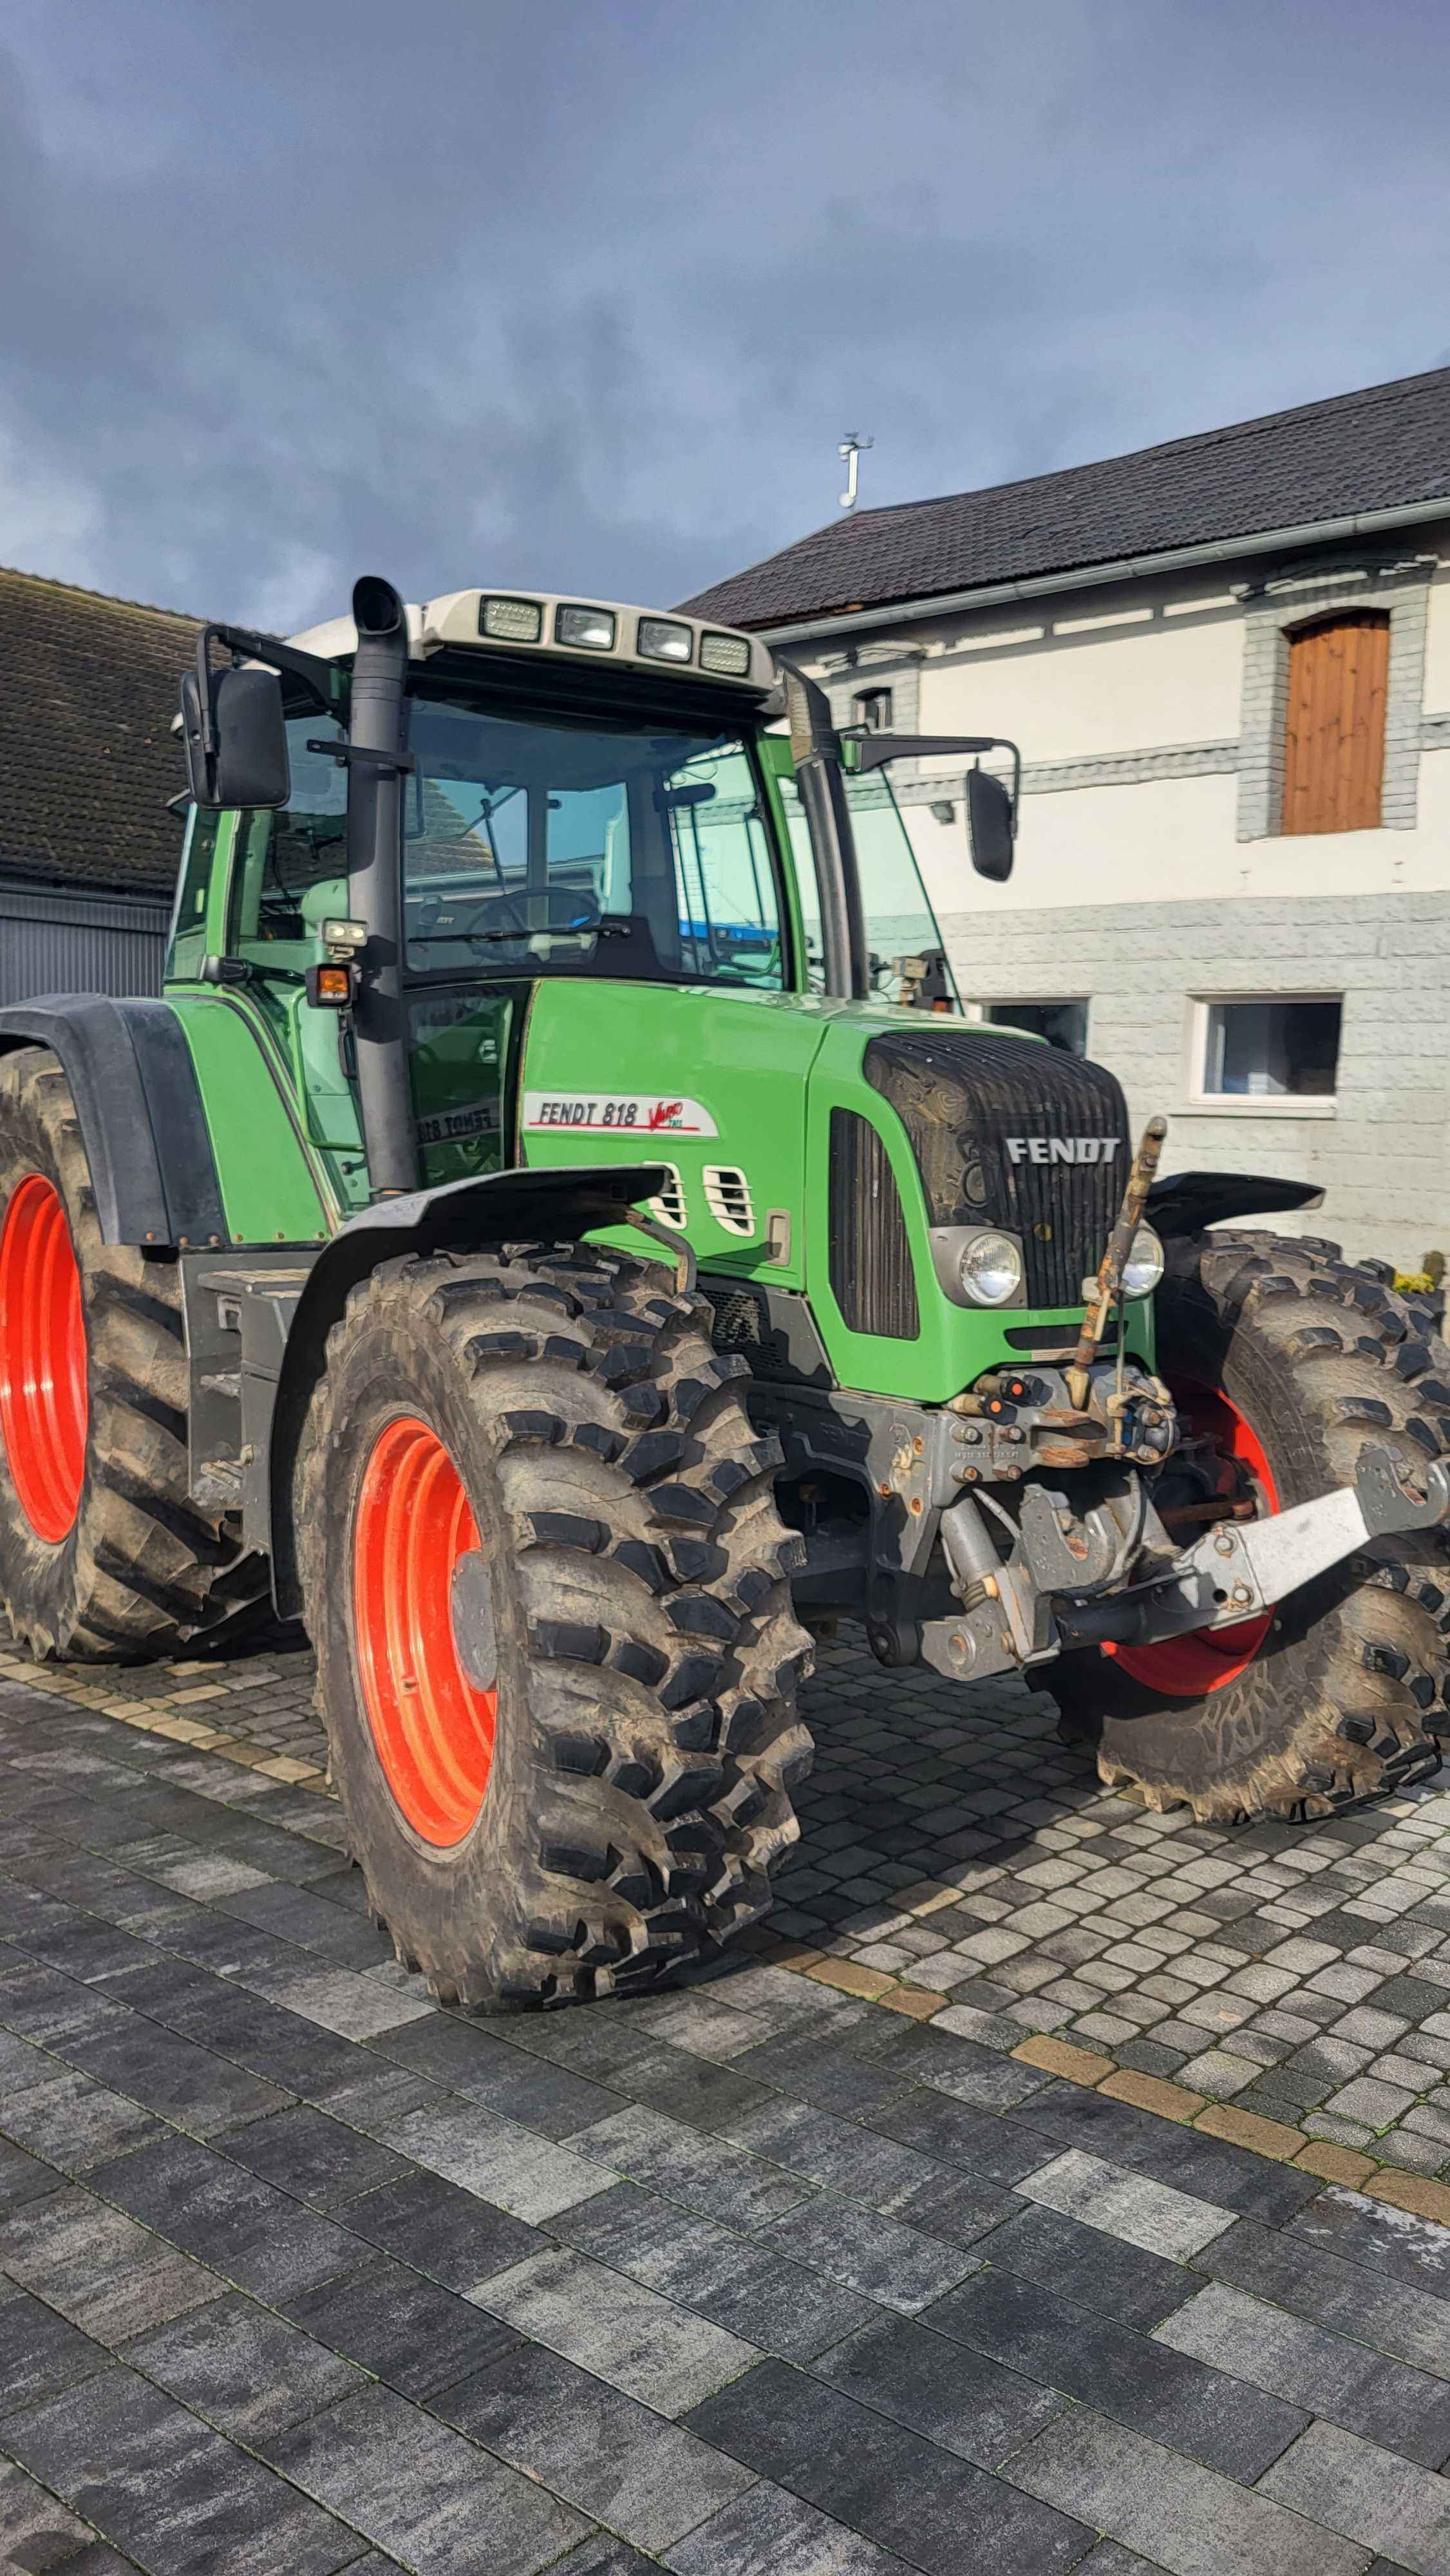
(850, 451)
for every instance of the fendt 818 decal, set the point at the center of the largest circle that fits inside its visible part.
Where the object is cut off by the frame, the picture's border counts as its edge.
(642, 1113)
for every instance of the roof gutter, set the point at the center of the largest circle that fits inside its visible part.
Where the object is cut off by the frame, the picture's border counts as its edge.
(944, 603)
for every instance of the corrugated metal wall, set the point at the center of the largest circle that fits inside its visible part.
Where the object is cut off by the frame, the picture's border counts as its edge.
(78, 943)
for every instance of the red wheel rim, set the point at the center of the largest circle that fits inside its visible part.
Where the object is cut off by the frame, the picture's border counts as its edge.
(434, 1731)
(43, 1403)
(1207, 1659)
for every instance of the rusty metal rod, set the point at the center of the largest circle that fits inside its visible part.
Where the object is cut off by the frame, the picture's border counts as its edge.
(1110, 1269)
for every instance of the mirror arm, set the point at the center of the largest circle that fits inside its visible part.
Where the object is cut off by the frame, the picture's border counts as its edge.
(874, 750)
(314, 674)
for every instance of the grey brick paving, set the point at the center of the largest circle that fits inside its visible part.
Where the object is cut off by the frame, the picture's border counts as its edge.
(299, 2271)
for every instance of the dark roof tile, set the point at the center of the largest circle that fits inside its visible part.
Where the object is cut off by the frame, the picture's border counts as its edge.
(1384, 448)
(88, 688)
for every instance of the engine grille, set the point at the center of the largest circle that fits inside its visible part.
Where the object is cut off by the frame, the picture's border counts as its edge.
(870, 1257)
(961, 1097)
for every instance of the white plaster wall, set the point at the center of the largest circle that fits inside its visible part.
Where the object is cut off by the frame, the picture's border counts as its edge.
(1086, 686)
(1172, 839)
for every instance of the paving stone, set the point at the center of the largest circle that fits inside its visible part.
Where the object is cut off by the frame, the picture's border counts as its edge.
(210, 2207)
(770, 2533)
(704, 2173)
(70, 2120)
(22, 2177)
(749, 2288)
(39, 2351)
(1371, 2495)
(1094, 2270)
(317, 2159)
(99, 2269)
(863, 2165)
(35, 2531)
(483, 2068)
(1404, 2410)
(444, 2231)
(1407, 2323)
(496, 2159)
(167, 2490)
(882, 2258)
(190, 2085)
(244, 2369)
(615, 2327)
(1178, 2514)
(596, 2448)
(421, 2490)
(1142, 2212)
(1384, 2239)
(937, 2511)
(1192, 2408)
(402, 2327)
(963, 2400)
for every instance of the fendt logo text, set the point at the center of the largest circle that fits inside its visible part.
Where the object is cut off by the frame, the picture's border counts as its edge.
(1062, 1149)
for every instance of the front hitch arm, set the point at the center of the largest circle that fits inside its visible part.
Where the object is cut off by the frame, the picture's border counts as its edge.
(1239, 1569)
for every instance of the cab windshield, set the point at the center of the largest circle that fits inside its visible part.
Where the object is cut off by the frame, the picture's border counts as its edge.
(536, 847)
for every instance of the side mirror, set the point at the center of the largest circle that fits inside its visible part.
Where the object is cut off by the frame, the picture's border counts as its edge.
(235, 738)
(991, 825)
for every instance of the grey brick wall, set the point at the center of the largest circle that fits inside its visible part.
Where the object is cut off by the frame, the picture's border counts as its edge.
(1383, 1157)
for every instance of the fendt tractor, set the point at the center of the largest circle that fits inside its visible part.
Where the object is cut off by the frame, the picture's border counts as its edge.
(558, 1235)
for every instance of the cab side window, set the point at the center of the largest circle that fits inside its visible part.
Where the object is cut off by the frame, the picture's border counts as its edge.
(290, 868)
(188, 922)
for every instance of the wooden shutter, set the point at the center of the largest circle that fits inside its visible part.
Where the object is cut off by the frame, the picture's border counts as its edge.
(1334, 735)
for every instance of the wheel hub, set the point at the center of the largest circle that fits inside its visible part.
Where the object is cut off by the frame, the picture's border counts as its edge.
(423, 1626)
(1207, 1659)
(44, 1407)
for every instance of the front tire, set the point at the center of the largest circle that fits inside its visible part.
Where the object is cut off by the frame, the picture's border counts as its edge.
(548, 1587)
(1295, 1358)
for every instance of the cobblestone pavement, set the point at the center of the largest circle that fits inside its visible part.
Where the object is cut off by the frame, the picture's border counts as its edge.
(763, 2278)
(956, 1858)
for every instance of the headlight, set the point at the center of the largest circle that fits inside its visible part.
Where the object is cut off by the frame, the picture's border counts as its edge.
(588, 630)
(661, 639)
(511, 621)
(727, 654)
(1144, 1266)
(991, 1269)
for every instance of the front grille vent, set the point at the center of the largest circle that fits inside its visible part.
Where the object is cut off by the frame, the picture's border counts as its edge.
(727, 1196)
(975, 1106)
(669, 1206)
(870, 1256)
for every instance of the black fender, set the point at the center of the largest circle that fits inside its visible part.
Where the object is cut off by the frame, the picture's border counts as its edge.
(1186, 1202)
(513, 1206)
(141, 1117)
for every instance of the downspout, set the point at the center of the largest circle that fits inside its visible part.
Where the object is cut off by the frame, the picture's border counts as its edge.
(377, 754)
(816, 752)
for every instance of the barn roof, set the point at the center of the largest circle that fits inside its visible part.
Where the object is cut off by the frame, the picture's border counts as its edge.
(88, 688)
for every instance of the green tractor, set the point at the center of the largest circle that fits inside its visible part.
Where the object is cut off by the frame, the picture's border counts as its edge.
(558, 1236)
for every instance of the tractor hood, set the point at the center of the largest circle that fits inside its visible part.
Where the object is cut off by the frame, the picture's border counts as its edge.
(1008, 1132)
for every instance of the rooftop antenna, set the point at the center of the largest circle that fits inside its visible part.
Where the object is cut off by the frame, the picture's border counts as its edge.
(850, 451)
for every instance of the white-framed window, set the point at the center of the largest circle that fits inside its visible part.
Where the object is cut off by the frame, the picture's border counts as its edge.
(873, 708)
(1274, 1053)
(1063, 1024)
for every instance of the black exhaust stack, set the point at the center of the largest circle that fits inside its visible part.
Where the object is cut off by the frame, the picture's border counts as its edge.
(377, 760)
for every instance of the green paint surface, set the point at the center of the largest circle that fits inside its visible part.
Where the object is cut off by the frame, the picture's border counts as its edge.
(273, 1190)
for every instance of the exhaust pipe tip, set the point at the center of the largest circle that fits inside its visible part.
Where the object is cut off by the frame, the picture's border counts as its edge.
(377, 608)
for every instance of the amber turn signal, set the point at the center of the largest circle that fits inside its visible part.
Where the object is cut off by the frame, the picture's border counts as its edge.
(329, 988)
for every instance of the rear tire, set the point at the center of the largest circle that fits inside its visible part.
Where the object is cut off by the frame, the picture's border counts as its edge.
(103, 1556)
(1342, 1698)
(605, 1800)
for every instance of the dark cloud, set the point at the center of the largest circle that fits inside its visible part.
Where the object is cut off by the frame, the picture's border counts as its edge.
(585, 293)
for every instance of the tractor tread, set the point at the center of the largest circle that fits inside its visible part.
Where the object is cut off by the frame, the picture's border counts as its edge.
(651, 1565)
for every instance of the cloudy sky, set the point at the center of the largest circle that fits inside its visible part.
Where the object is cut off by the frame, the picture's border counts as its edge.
(583, 293)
